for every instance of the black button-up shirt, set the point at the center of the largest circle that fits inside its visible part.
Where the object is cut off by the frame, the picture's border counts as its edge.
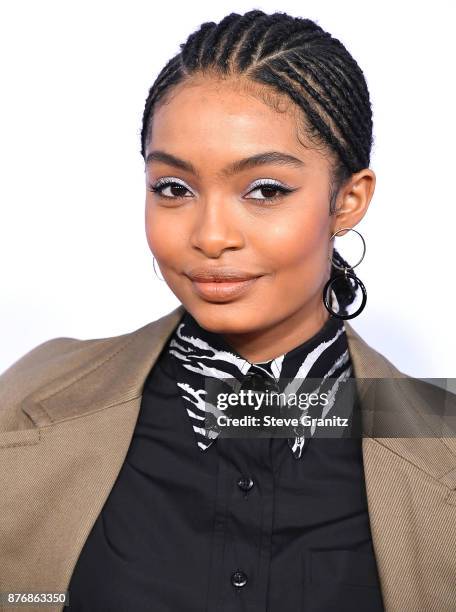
(200, 523)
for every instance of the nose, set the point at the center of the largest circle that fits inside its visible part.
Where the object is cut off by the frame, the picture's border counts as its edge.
(217, 227)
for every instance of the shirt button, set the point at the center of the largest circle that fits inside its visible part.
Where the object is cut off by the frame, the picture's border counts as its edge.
(239, 578)
(245, 483)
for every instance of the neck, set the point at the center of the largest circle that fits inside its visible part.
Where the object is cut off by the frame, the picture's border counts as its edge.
(281, 336)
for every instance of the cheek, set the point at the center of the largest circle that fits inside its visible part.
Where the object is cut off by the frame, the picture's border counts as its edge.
(296, 243)
(165, 233)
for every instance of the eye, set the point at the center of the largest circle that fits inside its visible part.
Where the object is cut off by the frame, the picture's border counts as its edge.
(270, 190)
(176, 188)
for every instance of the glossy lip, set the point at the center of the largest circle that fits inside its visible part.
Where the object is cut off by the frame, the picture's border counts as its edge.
(219, 273)
(222, 291)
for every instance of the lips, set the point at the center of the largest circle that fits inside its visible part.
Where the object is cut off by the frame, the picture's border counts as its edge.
(221, 285)
(220, 275)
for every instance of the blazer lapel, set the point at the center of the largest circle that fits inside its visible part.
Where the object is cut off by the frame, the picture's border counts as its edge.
(56, 477)
(410, 484)
(84, 421)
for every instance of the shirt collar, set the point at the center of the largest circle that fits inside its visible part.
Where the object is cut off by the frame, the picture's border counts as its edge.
(198, 353)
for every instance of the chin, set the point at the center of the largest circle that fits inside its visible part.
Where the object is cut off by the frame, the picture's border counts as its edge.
(226, 318)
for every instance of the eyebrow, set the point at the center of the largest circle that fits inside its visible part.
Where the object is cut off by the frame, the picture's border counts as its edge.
(260, 159)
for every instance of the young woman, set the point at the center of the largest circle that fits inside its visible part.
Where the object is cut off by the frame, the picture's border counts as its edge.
(117, 487)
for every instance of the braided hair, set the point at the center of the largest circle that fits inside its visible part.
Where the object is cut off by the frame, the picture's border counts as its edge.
(291, 56)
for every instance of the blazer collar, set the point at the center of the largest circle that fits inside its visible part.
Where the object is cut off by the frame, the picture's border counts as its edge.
(94, 384)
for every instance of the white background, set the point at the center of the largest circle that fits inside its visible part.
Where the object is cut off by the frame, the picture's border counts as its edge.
(75, 76)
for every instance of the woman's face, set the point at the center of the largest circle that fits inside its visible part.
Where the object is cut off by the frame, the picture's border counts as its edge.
(238, 191)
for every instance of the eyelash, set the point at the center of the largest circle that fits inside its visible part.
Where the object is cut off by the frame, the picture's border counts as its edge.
(261, 183)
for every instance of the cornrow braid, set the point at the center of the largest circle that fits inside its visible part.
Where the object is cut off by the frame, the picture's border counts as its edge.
(295, 57)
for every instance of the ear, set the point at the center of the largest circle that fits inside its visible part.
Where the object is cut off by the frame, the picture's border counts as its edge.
(353, 199)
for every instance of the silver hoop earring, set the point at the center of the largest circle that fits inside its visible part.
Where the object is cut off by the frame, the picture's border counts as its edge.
(153, 264)
(347, 276)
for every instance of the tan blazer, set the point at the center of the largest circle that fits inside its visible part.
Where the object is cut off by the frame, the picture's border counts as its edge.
(68, 409)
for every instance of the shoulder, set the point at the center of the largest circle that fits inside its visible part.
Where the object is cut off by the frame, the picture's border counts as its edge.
(403, 405)
(62, 362)
(368, 362)
(38, 367)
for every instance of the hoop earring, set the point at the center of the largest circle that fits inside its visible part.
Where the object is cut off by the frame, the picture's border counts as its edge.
(346, 276)
(153, 264)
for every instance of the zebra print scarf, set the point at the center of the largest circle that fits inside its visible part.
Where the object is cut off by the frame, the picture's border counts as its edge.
(198, 353)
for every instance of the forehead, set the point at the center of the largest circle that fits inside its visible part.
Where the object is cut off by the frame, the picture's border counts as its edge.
(227, 112)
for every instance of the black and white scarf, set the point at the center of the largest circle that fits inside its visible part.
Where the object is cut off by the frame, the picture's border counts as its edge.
(199, 354)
